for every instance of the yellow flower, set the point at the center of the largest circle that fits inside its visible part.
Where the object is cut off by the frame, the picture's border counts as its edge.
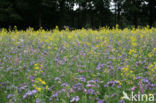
(46, 86)
(38, 79)
(43, 82)
(36, 64)
(49, 47)
(150, 55)
(134, 44)
(41, 65)
(131, 51)
(55, 48)
(34, 86)
(36, 68)
(119, 83)
(69, 36)
(97, 46)
(135, 56)
(125, 69)
(150, 66)
(38, 89)
(133, 77)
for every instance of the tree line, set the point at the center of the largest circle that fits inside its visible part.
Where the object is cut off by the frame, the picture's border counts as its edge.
(77, 13)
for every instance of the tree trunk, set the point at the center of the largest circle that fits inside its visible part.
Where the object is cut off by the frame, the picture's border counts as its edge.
(62, 7)
(92, 20)
(152, 12)
(118, 13)
(73, 24)
(135, 21)
(115, 13)
(40, 20)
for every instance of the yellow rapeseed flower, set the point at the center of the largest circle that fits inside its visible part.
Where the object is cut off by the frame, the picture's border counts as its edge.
(46, 86)
(36, 64)
(154, 49)
(36, 68)
(38, 89)
(134, 44)
(132, 51)
(43, 82)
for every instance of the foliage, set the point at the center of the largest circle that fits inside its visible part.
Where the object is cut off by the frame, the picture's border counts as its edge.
(89, 14)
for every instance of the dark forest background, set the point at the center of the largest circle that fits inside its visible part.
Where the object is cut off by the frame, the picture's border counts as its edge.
(86, 13)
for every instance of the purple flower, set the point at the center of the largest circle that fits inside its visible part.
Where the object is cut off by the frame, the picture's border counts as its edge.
(37, 100)
(133, 88)
(150, 86)
(112, 83)
(64, 84)
(100, 66)
(3, 84)
(62, 90)
(153, 85)
(78, 86)
(75, 99)
(45, 52)
(154, 75)
(91, 81)
(79, 70)
(91, 91)
(34, 91)
(58, 78)
(106, 85)
(10, 95)
(31, 77)
(100, 101)
(122, 101)
(72, 90)
(119, 68)
(23, 87)
(137, 77)
(29, 93)
(24, 96)
(145, 80)
(141, 88)
(82, 78)
(88, 85)
(85, 90)
(55, 95)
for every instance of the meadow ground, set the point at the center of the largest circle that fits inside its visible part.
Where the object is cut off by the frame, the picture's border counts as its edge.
(84, 66)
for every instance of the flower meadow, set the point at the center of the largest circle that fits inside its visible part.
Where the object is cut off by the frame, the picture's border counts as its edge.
(76, 66)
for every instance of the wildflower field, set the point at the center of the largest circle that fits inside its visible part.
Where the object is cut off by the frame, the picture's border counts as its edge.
(84, 66)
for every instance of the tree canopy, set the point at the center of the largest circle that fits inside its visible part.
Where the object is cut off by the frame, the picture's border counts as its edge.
(77, 13)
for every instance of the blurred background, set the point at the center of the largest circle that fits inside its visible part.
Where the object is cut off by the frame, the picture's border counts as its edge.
(76, 14)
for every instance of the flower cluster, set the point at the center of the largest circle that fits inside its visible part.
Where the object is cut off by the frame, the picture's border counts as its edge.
(127, 72)
(62, 66)
(113, 83)
(131, 52)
